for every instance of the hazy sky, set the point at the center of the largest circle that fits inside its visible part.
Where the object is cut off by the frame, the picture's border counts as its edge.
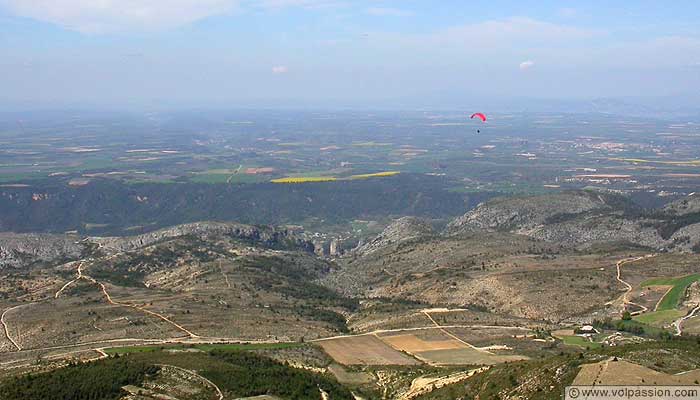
(238, 52)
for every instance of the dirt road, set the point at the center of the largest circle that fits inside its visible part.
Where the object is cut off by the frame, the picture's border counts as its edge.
(624, 299)
(110, 300)
(423, 385)
(197, 376)
(142, 309)
(678, 324)
(78, 277)
(378, 331)
(446, 332)
(6, 327)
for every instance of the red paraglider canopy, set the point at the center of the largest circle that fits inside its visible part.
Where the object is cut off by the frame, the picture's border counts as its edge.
(481, 116)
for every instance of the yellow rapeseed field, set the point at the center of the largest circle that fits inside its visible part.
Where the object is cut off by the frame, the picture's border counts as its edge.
(308, 179)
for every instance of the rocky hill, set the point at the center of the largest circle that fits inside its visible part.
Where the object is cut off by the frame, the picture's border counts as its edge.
(525, 213)
(585, 231)
(685, 206)
(508, 255)
(583, 218)
(17, 250)
(266, 236)
(220, 280)
(401, 230)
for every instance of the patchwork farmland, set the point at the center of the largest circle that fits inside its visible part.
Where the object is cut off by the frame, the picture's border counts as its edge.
(431, 346)
(364, 350)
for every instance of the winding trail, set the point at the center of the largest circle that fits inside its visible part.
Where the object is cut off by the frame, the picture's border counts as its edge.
(219, 393)
(110, 300)
(78, 277)
(142, 309)
(79, 274)
(6, 328)
(678, 324)
(624, 299)
(425, 385)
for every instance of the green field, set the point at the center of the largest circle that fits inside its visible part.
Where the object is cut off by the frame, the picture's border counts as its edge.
(671, 300)
(202, 347)
(659, 318)
(323, 173)
(580, 342)
(20, 176)
(638, 328)
(321, 177)
(226, 178)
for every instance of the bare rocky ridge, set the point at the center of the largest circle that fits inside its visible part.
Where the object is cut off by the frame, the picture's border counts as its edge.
(401, 230)
(17, 250)
(685, 206)
(21, 249)
(524, 213)
(692, 296)
(264, 235)
(686, 237)
(586, 231)
(581, 219)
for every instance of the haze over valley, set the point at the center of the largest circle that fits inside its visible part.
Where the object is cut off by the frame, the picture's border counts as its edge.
(364, 200)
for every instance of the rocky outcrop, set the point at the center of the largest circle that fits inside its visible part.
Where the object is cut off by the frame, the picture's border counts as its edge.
(17, 250)
(584, 232)
(575, 219)
(692, 296)
(20, 249)
(525, 213)
(260, 235)
(686, 238)
(684, 206)
(401, 230)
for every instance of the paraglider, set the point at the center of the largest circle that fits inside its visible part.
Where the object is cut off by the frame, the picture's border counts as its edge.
(481, 116)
